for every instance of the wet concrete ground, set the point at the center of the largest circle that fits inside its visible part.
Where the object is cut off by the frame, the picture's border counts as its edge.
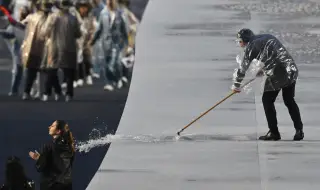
(184, 65)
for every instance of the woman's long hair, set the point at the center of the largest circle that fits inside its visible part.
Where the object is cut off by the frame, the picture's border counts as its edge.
(15, 176)
(66, 134)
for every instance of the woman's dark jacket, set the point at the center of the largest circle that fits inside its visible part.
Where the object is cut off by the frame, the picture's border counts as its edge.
(55, 164)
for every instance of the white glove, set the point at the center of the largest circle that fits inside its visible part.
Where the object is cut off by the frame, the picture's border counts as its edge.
(236, 89)
(239, 59)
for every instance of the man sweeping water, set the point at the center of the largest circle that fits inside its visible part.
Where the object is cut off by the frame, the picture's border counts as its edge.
(281, 73)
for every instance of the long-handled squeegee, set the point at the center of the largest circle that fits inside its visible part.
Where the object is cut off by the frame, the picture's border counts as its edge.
(225, 98)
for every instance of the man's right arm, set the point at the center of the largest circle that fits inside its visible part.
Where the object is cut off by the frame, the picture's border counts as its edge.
(240, 73)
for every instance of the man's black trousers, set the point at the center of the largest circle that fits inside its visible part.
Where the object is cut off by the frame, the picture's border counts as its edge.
(288, 94)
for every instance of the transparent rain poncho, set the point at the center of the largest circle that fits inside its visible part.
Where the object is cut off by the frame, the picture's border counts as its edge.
(274, 60)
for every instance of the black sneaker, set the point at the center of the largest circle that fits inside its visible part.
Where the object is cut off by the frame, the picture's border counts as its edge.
(298, 136)
(270, 137)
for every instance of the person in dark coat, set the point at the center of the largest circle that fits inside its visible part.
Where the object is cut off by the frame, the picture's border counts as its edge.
(61, 32)
(55, 159)
(15, 177)
(281, 73)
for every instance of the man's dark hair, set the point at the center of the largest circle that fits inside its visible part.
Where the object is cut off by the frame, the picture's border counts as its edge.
(245, 34)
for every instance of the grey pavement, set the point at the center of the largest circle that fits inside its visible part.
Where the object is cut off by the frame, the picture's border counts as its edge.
(184, 64)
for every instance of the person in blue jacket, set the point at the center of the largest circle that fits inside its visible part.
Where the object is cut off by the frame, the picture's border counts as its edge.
(112, 30)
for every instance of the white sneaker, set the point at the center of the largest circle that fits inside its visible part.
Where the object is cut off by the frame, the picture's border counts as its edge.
(124, 79)
(108, 87)
(36, 95)
(64, 85)
(80, 82)
(89, 80)
(56, 97)
(45, 98)
(32, 92)
(25, 96)
(68, 98)
(120, 84)
(95, 75)
(75, 84)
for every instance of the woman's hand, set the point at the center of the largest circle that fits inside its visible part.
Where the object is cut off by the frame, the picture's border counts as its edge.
(34, 155)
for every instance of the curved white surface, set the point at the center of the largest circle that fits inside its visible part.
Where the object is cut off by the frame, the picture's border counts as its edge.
(184, 63)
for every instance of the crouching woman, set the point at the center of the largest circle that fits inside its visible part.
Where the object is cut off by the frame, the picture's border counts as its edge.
(55, 159)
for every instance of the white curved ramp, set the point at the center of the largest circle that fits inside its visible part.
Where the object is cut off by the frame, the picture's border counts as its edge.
(184, 63)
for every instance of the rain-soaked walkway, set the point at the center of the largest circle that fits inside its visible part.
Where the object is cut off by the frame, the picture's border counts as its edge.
(185, 60)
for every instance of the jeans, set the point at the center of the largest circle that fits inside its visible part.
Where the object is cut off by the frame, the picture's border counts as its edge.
(114, 67)
(17, 68)
(98, 60)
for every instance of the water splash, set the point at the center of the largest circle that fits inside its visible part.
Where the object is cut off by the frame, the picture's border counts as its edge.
(95, 143)
(97, 140)
(86, 146)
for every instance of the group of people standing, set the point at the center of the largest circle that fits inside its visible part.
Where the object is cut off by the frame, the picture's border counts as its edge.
(79, 40)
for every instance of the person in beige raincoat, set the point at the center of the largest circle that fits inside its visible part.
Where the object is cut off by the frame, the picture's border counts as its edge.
(61, 32)
(31, 7)
(33, 44)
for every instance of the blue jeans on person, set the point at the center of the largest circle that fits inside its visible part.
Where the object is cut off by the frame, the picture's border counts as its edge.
(14, 46)
(113, 66)
(98, 60)
(17, 68)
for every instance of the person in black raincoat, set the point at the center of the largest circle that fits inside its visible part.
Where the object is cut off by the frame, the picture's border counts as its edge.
(281, 73)
(55, 159)
(15, 177)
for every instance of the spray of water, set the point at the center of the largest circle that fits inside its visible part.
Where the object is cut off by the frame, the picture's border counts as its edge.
(86, 146)
(101, 141)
